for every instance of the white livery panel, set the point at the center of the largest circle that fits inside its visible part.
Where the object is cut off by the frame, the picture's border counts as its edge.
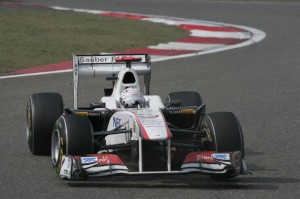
(153, 125)
(147, 123)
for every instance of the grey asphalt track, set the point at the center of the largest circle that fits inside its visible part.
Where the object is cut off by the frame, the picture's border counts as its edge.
(259, 83)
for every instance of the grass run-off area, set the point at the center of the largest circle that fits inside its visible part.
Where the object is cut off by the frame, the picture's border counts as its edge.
(32, 37)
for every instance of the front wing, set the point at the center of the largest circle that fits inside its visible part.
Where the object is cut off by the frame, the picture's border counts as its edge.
(100, 165)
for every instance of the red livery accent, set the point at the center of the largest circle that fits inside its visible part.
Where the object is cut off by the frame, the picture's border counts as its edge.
(128, 58)
(210, 28)
(124, 15)
(13, 4)
(211, 40)
(109, 159)
(200, 157)
(67, 65)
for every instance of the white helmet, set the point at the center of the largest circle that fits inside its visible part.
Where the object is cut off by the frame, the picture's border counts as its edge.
(131, 98)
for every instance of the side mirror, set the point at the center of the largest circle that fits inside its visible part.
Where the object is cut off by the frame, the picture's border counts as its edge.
(97, 105)
(173, 103)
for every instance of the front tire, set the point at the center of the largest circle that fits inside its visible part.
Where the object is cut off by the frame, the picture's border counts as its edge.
(72, 135)
(43, 109)
(224, 134)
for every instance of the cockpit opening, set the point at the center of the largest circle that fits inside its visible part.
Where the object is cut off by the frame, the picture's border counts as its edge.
(129, 78)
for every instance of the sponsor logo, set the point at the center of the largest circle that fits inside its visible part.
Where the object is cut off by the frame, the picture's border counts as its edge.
(94, 114)
(187, 111)
(82, 113)
(66, 168)
(145, 116)
(116, 122)
(174, 112)
(103, 159)
(88, 160)
(93, 59)
(221, 156)
(203, 157)
(66, 172)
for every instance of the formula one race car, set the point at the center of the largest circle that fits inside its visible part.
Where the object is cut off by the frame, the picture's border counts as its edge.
(129, 133)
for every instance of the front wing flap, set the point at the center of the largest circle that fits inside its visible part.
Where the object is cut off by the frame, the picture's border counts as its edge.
(93, 165)
(100, 165)
(212, 162)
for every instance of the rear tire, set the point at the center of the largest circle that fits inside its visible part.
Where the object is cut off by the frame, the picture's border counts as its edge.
(224, 134)
(72, 135)
(43, 109)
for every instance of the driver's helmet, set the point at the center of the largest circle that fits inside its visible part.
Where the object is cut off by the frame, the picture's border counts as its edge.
(131, 98)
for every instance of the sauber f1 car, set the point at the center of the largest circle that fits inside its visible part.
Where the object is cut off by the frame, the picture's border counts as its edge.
(129, 132)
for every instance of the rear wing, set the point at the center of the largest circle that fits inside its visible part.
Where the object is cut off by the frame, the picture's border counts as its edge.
(107, 65)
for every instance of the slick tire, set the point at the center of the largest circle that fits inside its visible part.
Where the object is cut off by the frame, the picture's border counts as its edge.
(72, 135)
(43, 109)
(224, 134)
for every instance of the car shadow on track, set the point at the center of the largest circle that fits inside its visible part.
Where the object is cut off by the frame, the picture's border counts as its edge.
(193, 181)
(187, 182)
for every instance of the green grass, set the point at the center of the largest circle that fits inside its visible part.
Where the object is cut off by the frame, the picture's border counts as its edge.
(31, 37)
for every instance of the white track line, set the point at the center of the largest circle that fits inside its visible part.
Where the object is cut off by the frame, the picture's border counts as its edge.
(185, 46)
(233, 35)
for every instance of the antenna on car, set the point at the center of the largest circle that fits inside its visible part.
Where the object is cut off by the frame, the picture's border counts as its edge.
(128, 60)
